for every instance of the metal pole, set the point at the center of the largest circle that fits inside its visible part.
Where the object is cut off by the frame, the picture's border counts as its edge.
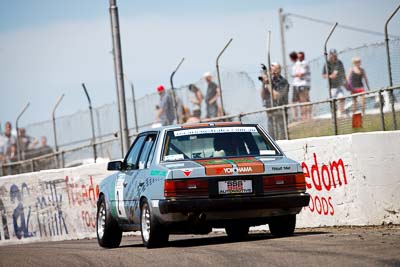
(171, 79)
(286, 119)
(390, 66)
(269, 66)
(381, 103)
(134, 107)
(119, 76)
(270, 82)
(54, 125)
(99, 132)
(92, 123)
(282, 17)
(219, 77)
(333, 106)
(16, 126)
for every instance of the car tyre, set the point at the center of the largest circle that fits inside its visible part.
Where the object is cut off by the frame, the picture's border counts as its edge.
(283, 225)
(237, 231)
(153, 233)
(109, 234)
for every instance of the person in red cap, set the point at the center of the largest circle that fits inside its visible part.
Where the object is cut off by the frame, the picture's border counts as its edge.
(165, 114)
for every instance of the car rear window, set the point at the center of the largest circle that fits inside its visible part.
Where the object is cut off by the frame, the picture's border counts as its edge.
(217, 142)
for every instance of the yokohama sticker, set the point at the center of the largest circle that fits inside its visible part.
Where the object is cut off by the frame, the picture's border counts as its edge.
(244, 165)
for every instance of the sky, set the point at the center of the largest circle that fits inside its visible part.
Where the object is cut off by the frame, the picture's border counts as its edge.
(50, 47)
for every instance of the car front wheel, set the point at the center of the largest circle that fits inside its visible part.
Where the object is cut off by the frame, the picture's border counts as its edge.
(109, 234)
(153, 233)
(283, 225)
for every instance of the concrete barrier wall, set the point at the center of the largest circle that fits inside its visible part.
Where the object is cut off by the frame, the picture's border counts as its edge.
(50, 205)
(353, 180)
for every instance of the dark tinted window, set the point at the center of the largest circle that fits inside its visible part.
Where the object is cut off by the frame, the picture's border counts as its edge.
(144, 155)
(217, 142)
(132, 159)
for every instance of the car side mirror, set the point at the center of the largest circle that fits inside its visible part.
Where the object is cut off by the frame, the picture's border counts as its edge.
(115, 165)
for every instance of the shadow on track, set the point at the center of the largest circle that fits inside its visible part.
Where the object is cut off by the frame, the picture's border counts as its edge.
(215, 240)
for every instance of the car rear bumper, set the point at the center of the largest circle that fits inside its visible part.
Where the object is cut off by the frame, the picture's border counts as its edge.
(286, 201)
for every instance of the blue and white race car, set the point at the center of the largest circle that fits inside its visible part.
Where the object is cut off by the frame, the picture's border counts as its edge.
(192, 178)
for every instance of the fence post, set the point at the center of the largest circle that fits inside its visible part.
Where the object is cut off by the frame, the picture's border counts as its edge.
(282, 18)
(134, 107)
(333, 104)
(286, 121)
(390, 67)
(53, 114)
(219, 77)
(62, 159)
(17, 128)
(381, 103)
(171, 80)
(91, 122)
(240, 117)
(32, 167)
(334, 115)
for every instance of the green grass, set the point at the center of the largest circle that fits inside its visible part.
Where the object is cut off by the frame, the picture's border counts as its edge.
(324, 127)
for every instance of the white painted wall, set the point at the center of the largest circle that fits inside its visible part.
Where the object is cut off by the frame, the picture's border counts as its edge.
(370, 196)
(46, 205)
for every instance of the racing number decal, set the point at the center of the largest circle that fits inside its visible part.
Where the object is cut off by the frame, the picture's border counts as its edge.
(119, 196)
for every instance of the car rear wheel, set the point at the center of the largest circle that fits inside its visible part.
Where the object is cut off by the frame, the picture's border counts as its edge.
(109, 234)
(283, 225)
(237, 231)
(153, 233)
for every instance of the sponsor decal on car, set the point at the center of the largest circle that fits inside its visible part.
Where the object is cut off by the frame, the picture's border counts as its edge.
(158, 173)
(215, 130)
(244, 165)
(238, 170)
(187, 172)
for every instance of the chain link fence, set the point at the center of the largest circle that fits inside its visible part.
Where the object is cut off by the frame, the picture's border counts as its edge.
(241, 102)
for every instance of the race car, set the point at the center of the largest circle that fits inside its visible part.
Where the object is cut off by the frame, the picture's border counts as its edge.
(192, 178)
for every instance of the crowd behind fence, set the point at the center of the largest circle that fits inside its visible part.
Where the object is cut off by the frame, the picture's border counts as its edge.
(378, 116)
(241, 101)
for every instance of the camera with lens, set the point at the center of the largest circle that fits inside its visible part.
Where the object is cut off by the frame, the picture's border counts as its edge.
(264, 73)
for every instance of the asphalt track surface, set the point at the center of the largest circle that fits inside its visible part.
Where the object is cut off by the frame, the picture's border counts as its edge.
(356, 246)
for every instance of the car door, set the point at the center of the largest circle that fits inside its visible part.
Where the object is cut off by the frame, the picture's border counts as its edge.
(125, 180)
(141, 183)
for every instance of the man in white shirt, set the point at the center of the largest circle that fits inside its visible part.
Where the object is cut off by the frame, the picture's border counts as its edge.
(7, 144)
(301, 83)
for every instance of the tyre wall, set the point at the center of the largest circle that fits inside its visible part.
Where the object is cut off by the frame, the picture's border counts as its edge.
(352, 179)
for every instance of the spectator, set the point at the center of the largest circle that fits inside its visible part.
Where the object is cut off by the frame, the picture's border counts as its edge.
(355, 80)
(182, 109)
(165, 113)
(280, 92)
(26, 142)
(7, 141)
(196, 100)
(295, 94)
(193, 119)
(44, 147)
(302, 83)
(12, 156)
(212, 96)
(337, 78)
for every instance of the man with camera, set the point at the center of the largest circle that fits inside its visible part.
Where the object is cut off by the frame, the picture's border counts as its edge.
(280, 93)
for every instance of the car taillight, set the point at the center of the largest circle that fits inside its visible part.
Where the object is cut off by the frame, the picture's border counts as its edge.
(284, 182)
(184, 188)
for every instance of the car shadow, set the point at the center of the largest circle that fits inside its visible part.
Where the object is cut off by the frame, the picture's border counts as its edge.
(216, 240)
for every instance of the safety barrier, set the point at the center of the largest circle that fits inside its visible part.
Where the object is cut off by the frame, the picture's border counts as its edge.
(353, 180)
